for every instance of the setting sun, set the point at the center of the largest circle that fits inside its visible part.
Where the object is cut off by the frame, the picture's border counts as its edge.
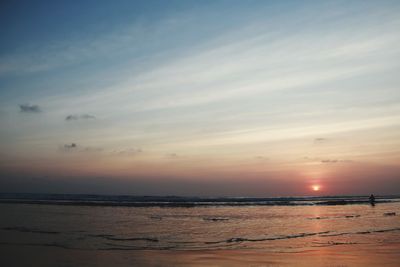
(316, 187)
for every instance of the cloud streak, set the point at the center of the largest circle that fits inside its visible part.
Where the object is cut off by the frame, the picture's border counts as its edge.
(27, 108)
(128, 152)
(336, 161)
(70, 147)
(79, 117)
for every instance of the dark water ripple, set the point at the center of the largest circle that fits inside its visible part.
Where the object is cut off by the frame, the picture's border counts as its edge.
(28, 230)
(223, 244)
(186, 244)
(241, 239)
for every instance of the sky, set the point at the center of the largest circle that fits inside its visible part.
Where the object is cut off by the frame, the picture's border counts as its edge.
(207, 98)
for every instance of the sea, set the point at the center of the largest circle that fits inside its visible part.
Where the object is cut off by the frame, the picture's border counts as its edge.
(171, 223)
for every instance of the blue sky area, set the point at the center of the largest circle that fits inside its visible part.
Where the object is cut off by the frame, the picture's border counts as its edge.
(254, 98)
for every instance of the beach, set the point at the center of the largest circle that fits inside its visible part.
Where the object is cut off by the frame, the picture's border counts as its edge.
(246, 235)
(346, 255)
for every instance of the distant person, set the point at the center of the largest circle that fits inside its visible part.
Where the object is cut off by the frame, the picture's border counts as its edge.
(372, 199)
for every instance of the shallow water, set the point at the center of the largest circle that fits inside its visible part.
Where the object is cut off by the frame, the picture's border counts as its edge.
(271, 229)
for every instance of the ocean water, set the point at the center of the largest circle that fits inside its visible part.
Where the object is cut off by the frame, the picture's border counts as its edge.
(126, 223)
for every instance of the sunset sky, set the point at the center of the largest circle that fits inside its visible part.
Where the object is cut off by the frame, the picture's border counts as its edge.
(210, 98)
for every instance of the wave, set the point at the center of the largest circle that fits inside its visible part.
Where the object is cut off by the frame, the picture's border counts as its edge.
(185, 202)
(132, 239)
(39, 245)
(363, 232)
(215, 219)
(28, 230)
(241, 239)
(222, 244)
(300, 235)
(332, 243)
(335, 217)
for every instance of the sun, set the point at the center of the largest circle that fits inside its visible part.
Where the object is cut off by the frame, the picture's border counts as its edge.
(316, 187)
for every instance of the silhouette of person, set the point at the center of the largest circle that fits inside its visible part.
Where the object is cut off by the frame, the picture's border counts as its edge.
(372, 199)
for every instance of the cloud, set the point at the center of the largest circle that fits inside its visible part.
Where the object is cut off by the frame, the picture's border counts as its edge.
(79, 117)
(129, 151)
(87, 116)
(70, 146)
(320, 140)
(336, 161)
(27, 108)
(172, 155)
(92, 149)
(327, 161)
(71, 117)
(73, 147)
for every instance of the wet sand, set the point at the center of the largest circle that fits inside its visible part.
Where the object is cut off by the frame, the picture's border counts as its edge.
(339, 255)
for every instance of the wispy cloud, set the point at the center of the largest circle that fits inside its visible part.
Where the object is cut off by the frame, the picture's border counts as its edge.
(69, 147)
(92, 149)
(74, 147)
(81, 48)
(336, 161)
(327, 161)
(128, 152)
(27, 108)
(79, 117)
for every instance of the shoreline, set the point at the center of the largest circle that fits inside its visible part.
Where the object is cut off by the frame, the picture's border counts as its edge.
(335, 255)
(192, 204)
